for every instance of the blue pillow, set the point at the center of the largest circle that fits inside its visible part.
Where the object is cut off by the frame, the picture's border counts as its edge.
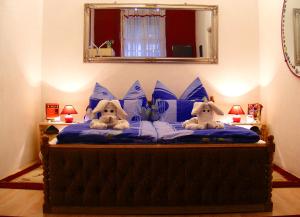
(162, 92)
(135, 92)
(195, 91)
(134, 103)
(172, 110)
(166, 107)
(101, 92)
(136, 109)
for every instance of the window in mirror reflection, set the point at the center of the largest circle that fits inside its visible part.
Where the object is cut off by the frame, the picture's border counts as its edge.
(297, 35)
(143, 32)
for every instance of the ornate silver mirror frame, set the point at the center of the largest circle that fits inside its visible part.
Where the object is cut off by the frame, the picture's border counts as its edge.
(290, 33)
(212, 59)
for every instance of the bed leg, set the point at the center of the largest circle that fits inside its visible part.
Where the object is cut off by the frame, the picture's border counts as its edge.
(45, 161)
(269, 171)
(271, 144)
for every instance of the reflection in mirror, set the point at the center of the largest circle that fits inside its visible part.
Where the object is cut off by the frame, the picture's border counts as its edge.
(141, 33)
(291, 34)
(297, 35)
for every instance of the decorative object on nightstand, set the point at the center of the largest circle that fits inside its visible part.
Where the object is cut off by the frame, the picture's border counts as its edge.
(236, 111)
(68, 111)
(255, 110)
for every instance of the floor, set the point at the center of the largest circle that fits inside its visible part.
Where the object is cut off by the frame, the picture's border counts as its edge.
(15, 202)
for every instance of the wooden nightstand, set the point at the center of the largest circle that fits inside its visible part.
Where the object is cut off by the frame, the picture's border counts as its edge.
(262, 127)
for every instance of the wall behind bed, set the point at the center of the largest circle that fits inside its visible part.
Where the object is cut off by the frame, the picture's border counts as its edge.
(67, 80)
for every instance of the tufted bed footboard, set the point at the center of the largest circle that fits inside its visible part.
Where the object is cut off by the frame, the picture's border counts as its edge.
(157, 179)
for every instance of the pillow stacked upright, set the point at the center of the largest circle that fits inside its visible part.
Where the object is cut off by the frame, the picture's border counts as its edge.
(134, 102)
(166, 107)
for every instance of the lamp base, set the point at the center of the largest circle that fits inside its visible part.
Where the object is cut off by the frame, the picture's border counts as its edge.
(236, 119)
(68, 119)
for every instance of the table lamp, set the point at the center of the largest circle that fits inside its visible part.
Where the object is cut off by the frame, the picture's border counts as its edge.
(236, 111)
(68, 110)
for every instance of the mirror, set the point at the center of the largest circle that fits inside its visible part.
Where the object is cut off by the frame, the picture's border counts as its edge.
(150, 33)
(291, 34)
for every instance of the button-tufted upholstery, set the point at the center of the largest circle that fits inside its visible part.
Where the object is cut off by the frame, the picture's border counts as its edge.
(157, 177)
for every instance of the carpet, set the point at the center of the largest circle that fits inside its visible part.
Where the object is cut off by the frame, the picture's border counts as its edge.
(32, 178)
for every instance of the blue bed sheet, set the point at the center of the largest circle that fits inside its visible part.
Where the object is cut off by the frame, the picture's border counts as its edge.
(175, 133)
(139, 132)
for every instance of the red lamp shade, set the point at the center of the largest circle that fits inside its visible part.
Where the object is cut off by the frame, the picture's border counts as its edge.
(236, 110)
(67, 111)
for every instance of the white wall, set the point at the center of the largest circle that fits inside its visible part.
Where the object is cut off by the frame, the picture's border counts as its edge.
(67, 80)
(20, 75)
(280, 88)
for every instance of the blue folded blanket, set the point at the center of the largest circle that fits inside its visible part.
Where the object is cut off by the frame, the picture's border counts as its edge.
(139, 132)
(175, 133)
(143, 132)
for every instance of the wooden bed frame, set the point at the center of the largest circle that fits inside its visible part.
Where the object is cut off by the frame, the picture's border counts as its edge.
(157, 178)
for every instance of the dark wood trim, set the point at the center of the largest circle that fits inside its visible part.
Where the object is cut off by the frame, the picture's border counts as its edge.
(6, 182)
(159, 210)
(287, 184)
(285, 174)
(45, 153)
(292, 181)
(154, 146)
(20, 173)
(286, 216)
(22, 185)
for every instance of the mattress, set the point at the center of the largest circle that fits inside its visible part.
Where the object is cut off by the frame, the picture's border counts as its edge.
(175, 133)
(139, 132)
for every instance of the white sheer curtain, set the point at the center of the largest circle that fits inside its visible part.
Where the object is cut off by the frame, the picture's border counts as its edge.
(144, 33)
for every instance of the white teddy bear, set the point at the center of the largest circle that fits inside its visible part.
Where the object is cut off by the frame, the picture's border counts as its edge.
(205, 117)
(112, 116)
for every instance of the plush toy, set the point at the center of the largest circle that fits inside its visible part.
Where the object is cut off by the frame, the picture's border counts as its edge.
(205, 117)
(112, 116)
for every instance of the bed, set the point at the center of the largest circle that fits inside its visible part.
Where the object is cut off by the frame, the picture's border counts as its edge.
(166, 171)
(156, 167)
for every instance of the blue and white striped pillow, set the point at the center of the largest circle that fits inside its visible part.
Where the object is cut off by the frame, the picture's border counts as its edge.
(162, 92)
(172, 110)
(195, 91)
(101, 92)
(135, 92)
(134, 102)
(166, 106)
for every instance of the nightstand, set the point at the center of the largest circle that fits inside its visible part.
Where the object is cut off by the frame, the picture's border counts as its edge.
(51, 129)
(262, 127)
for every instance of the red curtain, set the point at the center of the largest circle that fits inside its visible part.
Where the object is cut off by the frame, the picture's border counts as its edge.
(107, 27)
(180, 29)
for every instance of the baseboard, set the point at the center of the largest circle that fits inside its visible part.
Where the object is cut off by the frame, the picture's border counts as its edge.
(6, 182)
(293, 181)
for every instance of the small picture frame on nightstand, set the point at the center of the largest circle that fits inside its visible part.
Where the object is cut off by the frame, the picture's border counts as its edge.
(255, 110)
(52, 111)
